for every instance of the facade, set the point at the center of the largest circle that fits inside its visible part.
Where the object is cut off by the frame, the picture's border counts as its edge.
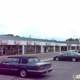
(10, 45)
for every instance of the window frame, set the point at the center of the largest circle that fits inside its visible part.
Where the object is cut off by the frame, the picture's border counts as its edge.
(33, 60)
(4, 61)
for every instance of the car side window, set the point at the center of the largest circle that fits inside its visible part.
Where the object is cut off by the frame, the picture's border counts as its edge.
(64, 54)
(33, 60)
(15, 60)
(8, 60)
(68, 54)
(23, 61)
(30, 60)
(74, 53)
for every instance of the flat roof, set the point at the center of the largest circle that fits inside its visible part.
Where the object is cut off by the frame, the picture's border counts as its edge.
(32, 39)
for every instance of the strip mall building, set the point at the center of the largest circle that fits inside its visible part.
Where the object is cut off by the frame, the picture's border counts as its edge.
(10, 45)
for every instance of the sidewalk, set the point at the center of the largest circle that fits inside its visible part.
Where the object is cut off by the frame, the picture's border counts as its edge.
(30, 54)
(45, 60)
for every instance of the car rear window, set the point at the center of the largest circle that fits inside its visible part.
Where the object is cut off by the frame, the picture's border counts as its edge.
(30, 60)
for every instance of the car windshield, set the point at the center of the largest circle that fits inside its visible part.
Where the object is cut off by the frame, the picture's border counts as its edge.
(30, 60)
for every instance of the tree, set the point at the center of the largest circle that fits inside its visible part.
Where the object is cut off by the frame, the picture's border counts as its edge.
(17, 36)
(71, 39)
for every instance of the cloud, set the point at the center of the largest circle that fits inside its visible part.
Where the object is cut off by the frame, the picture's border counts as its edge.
(58, 19)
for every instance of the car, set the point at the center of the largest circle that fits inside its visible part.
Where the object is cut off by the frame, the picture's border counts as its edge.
(25, 65)
(71, 51)
(67, 56)
(79, 51)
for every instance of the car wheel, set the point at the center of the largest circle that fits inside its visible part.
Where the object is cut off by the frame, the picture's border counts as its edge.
(23, 73)
(57, 59)
(73, 59)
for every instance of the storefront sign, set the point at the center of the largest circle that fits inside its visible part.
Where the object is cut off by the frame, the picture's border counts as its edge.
(29, 43)
(48, 43)
(4, 41)
(37, 43)
(68, 44)
(17, 42)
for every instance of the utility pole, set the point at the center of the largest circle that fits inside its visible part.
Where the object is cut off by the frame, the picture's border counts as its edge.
(30, 36)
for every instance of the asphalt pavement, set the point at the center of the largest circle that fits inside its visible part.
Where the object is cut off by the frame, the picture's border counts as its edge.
(62, 70)
(42, 57)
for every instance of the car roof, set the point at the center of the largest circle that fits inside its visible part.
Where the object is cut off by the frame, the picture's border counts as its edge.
(21, 56)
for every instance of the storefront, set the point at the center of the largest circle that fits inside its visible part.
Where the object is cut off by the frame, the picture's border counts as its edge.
(29, 49)
(57, 48)
(45, 49)
(72, 47)
(77, 47)
(63, 48)
(38, 49)
(50, 48)
(10, 49)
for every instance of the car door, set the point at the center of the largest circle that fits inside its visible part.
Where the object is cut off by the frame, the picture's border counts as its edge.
(68, 56)
(4, 66)
(14, 66)
(63, 56)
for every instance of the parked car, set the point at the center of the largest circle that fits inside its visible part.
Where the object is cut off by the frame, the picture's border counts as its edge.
(67, 56)
(71, 51)
(79, 51)
(24, 65)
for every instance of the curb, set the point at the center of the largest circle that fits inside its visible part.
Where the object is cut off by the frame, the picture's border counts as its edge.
(46, 60)
(32, 54)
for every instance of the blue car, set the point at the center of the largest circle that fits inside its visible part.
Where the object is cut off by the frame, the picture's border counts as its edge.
(67, 56)
(25, 65)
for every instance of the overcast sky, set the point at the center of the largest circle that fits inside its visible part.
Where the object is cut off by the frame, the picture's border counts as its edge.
(45, 19)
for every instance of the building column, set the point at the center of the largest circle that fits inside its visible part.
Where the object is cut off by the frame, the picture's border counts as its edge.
(75, 48)
(18, 49)
(47, 49)
(70, 47)
(67, 48)
(54, 48)
(42, 50)
(2, 51)
(59, 48)
(35, 49)
(23, 47)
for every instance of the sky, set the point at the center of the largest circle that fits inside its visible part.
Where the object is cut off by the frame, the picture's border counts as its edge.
(43, 19)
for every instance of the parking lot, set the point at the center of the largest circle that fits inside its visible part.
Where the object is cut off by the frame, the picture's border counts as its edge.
(62, 70)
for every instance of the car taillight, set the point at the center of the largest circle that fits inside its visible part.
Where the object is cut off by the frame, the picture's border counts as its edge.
(39, 68)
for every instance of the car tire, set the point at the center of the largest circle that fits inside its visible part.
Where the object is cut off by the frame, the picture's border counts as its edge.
(73, 59)
(23, 73)
(57, 59)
